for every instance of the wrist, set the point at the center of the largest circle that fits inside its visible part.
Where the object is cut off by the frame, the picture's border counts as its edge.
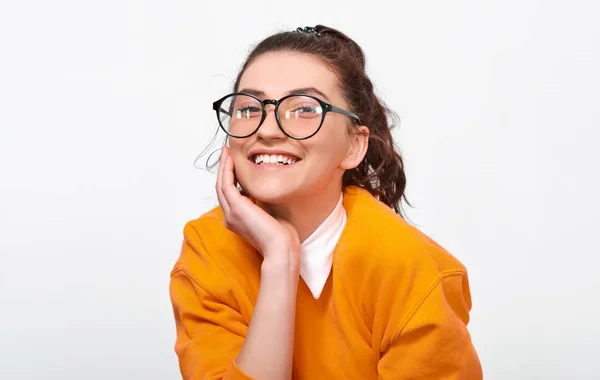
(280, 265)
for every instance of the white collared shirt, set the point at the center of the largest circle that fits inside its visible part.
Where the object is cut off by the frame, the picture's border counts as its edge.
(316, 252)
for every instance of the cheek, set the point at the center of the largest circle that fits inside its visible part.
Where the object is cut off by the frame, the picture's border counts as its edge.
(333, 140)
(236, 148)
(329, 149)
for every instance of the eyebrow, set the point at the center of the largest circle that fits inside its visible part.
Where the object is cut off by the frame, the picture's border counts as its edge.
(296, 91)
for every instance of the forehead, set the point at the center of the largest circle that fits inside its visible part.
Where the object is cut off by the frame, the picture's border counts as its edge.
(280, 72)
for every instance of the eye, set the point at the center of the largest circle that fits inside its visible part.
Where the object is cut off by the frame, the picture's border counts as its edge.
(248, 111)
(303, 111)
(312, 109)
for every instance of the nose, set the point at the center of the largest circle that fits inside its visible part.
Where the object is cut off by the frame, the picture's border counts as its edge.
(269, 129)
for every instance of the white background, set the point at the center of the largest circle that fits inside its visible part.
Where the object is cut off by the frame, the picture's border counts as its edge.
(105, 105)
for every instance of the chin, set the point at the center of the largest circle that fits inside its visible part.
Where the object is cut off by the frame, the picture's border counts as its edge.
(269, 192)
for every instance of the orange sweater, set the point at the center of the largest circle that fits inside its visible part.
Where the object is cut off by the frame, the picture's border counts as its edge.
(395, 305)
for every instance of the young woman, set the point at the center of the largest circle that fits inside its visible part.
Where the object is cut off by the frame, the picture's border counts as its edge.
(311, 272)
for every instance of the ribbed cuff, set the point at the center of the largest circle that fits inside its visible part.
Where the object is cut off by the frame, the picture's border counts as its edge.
(235, 373)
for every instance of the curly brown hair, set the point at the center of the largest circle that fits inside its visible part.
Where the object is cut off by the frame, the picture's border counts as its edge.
(381, 172)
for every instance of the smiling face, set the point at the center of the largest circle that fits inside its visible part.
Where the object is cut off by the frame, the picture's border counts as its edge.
(310, 167)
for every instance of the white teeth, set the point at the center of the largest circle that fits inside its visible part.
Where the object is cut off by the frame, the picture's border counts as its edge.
(273, 159)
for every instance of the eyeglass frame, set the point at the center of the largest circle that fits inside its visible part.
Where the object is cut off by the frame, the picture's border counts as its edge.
(326, 107)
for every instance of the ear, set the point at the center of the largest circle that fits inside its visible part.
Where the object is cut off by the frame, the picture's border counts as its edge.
(357, 149)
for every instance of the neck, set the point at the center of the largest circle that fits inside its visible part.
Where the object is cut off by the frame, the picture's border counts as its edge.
(308, 212)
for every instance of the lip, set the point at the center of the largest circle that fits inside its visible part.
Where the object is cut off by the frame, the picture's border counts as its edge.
(269, 167)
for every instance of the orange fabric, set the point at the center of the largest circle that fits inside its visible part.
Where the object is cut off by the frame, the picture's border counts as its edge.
(395, 305)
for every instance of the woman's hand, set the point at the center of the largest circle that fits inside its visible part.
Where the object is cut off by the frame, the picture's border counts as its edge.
(274, 238)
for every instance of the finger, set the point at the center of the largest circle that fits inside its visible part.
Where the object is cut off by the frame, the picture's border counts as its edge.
(219, 186)
(246, 218)
(230, 190)
(240, 207)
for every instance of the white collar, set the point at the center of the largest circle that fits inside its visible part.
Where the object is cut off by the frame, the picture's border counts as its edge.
(316, 252)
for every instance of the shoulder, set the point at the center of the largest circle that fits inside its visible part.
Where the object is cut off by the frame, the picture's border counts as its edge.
(392, 267)
(211, 253)
(378, 237)
(209, 228)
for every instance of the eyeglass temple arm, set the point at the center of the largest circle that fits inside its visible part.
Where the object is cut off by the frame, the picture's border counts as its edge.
(217, 107)
(344, 112)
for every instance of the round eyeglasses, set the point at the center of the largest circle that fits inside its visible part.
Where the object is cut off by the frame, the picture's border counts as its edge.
(300, 117)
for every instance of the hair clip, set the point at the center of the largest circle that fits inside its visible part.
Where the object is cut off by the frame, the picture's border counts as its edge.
(309, 30)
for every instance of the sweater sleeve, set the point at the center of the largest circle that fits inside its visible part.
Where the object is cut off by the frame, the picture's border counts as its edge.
(210, 329)
(433, 342)
(210, 334)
